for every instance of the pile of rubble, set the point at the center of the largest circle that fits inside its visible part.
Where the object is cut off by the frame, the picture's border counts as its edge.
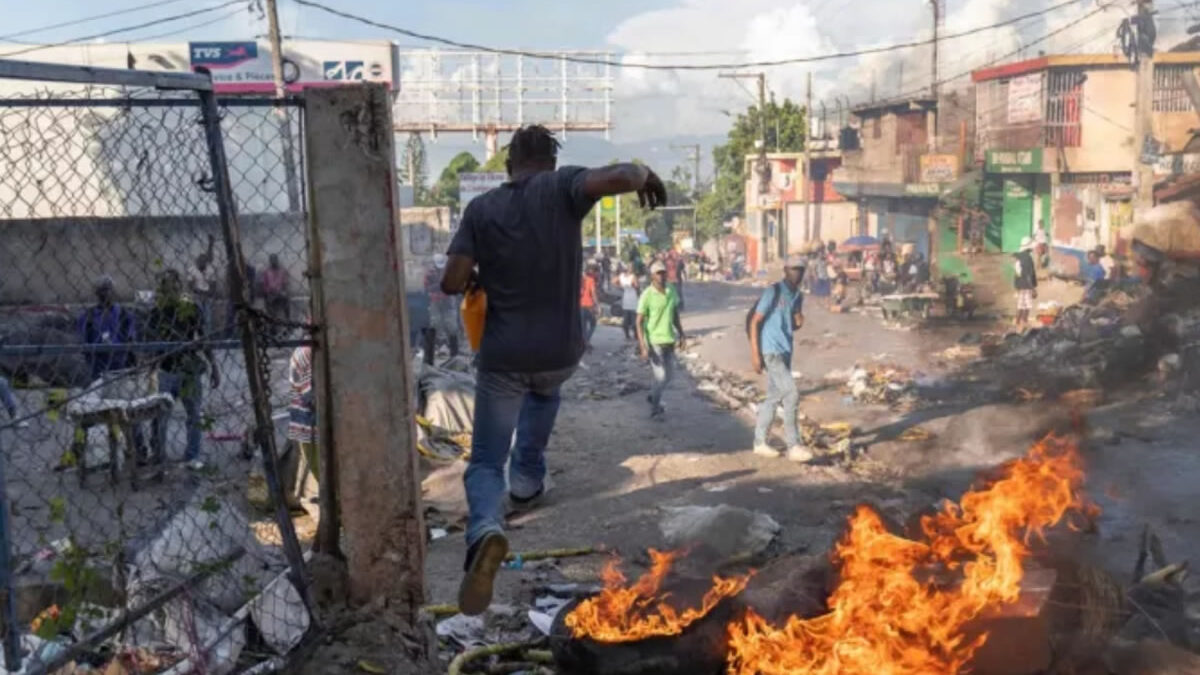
(727, 390)
(1129, 332)
(877, 383)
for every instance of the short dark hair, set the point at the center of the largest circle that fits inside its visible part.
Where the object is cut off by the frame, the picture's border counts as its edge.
(533, 143)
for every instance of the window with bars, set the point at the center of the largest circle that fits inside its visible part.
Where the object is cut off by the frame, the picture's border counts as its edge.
(1064, 106)
(1169, 92)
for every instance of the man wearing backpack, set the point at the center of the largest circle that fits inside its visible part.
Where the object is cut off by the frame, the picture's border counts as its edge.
(771, 324)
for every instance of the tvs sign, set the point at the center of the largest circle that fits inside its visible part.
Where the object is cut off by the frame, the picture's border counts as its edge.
(245, 67)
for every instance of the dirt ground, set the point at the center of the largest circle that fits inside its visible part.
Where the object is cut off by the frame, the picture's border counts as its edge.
(614, 469)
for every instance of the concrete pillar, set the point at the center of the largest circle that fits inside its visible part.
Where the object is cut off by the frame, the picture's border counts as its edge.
(491, 143)
(364, 339)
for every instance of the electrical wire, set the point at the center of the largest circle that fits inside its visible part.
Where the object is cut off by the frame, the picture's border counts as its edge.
(127, 29)
(678, 66)
(202, 24)
(96, 17)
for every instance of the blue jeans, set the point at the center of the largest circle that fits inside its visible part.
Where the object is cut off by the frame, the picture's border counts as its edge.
(587, 316)
(6, 397)
(189, 389)
(528, 403)
(662, 365)
(781, 390)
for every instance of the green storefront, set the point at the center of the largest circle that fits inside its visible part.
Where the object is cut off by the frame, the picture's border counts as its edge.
(1016, 197)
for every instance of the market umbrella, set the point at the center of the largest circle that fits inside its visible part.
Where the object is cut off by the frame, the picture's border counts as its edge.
(859, 243)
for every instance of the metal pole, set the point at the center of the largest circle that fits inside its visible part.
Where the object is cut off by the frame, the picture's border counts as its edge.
(290, 174)
(12, 636)
(264, 425)
(598, 210)
(618, 227)
(933, 82)
(807, 183)
(1143, 112)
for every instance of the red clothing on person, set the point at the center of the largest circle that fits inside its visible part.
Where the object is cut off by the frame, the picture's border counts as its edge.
(587, 292)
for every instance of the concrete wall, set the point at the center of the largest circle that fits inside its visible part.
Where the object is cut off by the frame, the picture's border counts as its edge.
(1106, 121)
(56, 260)
(838, 222)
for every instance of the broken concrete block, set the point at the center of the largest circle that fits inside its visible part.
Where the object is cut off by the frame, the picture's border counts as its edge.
(724, 531)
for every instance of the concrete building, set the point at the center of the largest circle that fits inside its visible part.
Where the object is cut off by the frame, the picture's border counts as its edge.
(775, 218)
(1056, 142)
(893, 172)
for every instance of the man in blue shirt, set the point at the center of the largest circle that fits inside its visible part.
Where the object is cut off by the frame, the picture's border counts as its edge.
(107, 323)
(778, 314)
(1094, 276)
(526, 236)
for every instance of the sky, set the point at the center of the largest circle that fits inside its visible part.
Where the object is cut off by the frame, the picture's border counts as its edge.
(655, 109)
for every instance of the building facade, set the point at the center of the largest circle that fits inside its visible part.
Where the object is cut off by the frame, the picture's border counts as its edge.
(893, 171)
(1055, 137)
(775, 207)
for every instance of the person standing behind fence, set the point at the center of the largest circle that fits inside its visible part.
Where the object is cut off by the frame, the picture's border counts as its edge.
(177, 319)
(526, 236)
(443, 312)
(274, 287)
(659, 330)
(107, 323)
(204, 285)
(302, 428)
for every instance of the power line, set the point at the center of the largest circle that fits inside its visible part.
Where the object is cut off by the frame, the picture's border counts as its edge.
(202, 24)
(676, 66)
(1005, 57)
(127, 29)
(97, 17)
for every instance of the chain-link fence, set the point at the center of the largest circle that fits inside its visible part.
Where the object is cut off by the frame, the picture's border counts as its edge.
(140, 526)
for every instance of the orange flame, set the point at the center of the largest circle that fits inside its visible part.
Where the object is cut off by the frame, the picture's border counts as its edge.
(628, 613)
(901, 606)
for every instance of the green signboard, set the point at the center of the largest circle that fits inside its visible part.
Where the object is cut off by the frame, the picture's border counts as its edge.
(1014, 161)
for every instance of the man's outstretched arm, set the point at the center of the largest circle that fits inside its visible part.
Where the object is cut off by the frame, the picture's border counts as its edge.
(618, 179)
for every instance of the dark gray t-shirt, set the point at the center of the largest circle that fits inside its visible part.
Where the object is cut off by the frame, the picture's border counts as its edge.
(526, 237)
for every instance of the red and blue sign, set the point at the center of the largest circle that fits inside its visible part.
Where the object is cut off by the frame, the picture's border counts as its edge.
(222, 54)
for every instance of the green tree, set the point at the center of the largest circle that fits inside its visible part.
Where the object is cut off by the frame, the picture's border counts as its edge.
(446, 189)
(414, 170)
(496, 163)
(784, 133)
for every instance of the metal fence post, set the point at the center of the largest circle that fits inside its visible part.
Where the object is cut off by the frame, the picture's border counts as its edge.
(251, 343)
(12, 637)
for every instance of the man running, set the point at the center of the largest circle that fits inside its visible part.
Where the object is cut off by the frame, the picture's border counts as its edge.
(659, 331)
(778, 313)
(526, 236)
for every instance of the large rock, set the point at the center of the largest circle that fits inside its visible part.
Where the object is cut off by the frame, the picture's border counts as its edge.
(724, 532)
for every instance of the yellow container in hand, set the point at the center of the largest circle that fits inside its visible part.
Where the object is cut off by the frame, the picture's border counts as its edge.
(474, 314)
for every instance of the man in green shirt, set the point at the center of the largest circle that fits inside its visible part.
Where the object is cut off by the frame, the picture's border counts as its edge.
(659, 331)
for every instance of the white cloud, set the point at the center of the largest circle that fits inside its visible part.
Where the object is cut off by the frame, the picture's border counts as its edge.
(658, 103)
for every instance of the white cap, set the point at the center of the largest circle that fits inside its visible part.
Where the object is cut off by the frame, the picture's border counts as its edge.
(439, 260)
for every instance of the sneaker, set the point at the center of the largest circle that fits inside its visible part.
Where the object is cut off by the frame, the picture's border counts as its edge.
(799, 453)
(764, 450)
(23, 424)
(483, 561)
(518, 505)
(195, 465)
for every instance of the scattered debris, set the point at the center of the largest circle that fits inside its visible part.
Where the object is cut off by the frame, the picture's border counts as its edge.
(725, 532)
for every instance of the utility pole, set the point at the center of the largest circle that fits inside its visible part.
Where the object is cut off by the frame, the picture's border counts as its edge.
(618, 227)
(281, 113)
(806, 183)
(764, 168)
(1144, 146)
(933, 69)
(693, 155)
